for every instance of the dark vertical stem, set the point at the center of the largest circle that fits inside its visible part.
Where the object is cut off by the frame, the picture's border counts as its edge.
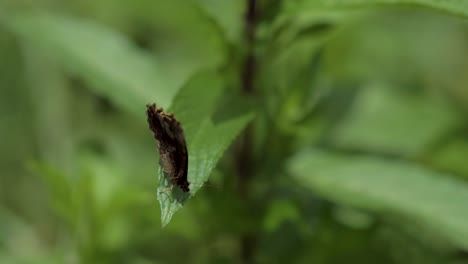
(248, 71)
(244, 158)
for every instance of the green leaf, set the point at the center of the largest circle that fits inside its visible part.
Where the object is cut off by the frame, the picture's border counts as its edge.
(7, 257)
(455, 7)
(227, 14)
(60, 189)
(207, 138)
(16, 118)
(51, 103)
(162, 27)
(452, 157)
(280, 211)
(105, 59)
(434, 200)
(384, 120)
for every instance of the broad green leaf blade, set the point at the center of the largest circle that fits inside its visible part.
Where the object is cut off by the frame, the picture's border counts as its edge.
(51, 101)
(17, 143)
(197, 101)
(8, 257)
(455, 7)
(383, 120)
(434, 200)
(452, 156)
(183, 37)
(60, 189)
(209, 144)
(206, 138)
(105, 59)
(228, 15)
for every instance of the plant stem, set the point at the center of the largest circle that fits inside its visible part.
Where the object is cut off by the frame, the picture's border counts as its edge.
(248, 73)
(248, 241)
(244, 158)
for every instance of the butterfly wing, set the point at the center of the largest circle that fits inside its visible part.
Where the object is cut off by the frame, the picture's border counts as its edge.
(171, 145)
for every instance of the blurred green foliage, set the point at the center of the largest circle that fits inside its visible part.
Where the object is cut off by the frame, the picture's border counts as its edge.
(318, 131)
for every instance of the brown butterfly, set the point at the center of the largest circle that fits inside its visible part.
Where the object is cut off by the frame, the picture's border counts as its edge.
(171, 145)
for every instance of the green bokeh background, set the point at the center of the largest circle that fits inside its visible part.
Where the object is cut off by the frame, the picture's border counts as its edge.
(359, 144)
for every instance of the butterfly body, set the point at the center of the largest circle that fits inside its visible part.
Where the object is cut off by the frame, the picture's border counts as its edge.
(171, 145)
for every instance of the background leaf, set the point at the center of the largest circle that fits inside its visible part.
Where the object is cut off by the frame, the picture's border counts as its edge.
(452, 157)
(160, 28)
(451, 6)
(105, 59)
(228, 15)
(383, 120)
(434, 200)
